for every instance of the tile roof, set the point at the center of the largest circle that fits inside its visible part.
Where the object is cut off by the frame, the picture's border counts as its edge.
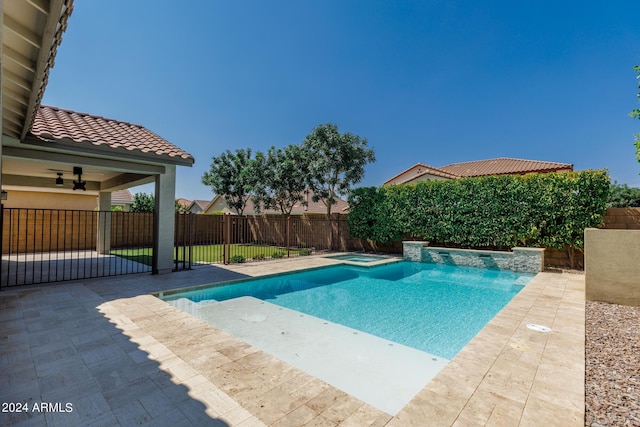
(298, 209)
(202, 204)
(121, 196)
(503, 166)
(184, 202)
(423, 169)
(52, 123)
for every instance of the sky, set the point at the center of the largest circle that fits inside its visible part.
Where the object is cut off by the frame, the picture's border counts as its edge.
(432, 81)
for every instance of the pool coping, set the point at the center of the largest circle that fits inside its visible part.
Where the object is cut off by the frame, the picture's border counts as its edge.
(388, 260)
(509, 374)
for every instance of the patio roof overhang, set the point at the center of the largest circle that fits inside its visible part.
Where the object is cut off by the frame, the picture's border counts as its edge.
(31, 33)
(113, 155)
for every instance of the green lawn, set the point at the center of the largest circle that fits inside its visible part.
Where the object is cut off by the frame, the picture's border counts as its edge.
(211, 253)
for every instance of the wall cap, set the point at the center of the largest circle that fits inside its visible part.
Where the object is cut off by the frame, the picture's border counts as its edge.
(481, 251)
(424, 243)
(528, 249)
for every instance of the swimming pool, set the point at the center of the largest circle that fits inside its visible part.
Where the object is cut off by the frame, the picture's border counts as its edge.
(433, 308)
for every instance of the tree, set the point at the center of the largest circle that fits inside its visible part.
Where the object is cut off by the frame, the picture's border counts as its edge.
(636, 113)
(180, 208)
(336, 162)
(143, 202)
(282, 178)
(623, 196)
(233, 176)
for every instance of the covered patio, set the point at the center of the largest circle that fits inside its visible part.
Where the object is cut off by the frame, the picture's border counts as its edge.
(53, 157)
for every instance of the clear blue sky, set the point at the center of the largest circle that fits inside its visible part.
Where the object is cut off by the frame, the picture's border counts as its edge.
(436, 82)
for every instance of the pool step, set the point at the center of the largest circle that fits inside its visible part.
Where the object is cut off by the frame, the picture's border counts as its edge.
(382, 373)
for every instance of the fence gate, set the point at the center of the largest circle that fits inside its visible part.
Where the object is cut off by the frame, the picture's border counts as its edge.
(53, 245)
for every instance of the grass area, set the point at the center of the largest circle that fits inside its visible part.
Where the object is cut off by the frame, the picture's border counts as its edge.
(212, 253)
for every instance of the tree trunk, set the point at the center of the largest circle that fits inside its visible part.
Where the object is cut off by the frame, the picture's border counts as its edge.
(571, 254)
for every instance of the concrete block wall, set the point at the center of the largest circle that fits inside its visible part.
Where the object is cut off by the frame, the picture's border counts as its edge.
(622, 219)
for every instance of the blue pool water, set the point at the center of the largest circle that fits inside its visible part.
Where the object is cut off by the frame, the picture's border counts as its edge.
(433, 308)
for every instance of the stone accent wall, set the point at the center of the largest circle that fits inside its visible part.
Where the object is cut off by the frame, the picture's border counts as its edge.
(412, 251)
(528, 260)
(521, 260)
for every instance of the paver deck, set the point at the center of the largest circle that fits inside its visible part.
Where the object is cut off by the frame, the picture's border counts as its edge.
(119, 356)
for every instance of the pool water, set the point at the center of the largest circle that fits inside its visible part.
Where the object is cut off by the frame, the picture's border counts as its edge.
(434, 308)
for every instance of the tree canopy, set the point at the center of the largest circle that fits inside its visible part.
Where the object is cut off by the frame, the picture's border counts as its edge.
(327, 164)
(143, 202)
(233, 176)
(282, 180)
(336, 162)
(623, 196)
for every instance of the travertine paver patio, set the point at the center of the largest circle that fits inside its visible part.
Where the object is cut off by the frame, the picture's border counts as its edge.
(120, 356)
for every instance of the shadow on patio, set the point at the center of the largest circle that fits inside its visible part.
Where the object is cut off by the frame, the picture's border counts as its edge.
(66, 345)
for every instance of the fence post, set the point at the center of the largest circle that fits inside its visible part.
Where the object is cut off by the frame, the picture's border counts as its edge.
(191, 233)
(338, 227)
(331, 233)
(176, 243)
(185, 239)
(226, 238)
(288, 236)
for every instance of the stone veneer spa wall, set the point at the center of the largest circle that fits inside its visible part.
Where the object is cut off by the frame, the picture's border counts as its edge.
(520, 260)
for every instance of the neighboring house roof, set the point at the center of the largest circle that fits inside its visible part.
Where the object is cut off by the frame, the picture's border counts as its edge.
(184, 202)
(498, 166)
(200, 205)
(298, 209)
(121, 197)
(53, 123)
(504, 166)
(421, 169)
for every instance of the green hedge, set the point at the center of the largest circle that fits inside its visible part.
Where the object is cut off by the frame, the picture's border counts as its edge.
(498, 212)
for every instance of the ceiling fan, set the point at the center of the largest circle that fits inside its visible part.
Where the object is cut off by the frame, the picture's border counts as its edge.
(77, 185)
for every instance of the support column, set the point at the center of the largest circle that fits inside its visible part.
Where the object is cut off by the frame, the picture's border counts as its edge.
(164, 221)
(1, 106)
(104, 223)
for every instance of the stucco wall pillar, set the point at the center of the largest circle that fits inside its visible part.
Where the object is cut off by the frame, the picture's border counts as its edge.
(164, 221)
(104, 223)
(611, 267)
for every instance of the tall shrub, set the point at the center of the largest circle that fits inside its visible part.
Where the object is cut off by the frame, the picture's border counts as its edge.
(369, 218)
(499, 212)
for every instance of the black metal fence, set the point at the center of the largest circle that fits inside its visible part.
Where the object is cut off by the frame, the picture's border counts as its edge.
(52, 245)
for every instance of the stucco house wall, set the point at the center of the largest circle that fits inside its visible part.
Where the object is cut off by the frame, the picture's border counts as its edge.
(46, 200)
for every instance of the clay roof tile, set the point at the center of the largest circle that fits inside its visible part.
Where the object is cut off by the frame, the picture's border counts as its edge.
(502, 166)
(52, 123)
